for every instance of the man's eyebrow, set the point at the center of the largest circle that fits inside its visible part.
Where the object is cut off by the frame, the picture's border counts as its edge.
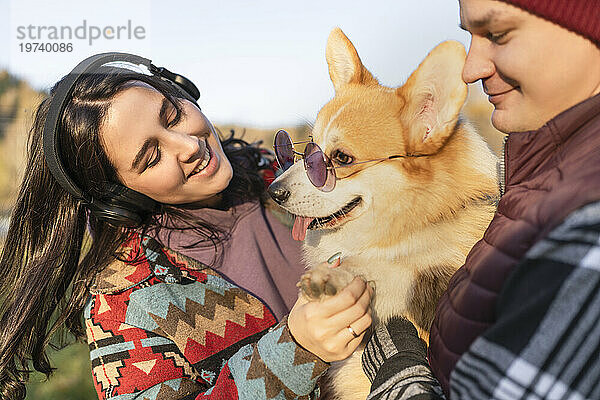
(138, 157)
(481, 22)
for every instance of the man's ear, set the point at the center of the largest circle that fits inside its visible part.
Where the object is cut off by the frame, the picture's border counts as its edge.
(434, 95)
(344, 63)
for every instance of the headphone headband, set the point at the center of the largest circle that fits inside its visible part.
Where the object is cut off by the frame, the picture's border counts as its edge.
(51, 145)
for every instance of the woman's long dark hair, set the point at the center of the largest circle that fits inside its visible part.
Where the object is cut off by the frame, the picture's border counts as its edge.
(43, 276)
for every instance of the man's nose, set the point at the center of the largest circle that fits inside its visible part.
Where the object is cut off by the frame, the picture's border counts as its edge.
(478, 64)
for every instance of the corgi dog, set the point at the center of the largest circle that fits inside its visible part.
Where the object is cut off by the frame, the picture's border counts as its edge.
(415, 188)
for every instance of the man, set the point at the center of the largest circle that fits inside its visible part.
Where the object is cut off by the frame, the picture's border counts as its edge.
(521, 318)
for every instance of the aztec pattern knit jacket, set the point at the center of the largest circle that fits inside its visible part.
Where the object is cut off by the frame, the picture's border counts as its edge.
(545, 343)
(163, 326)
(550, 172)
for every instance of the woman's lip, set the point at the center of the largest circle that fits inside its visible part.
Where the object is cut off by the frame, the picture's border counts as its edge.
(201, 159)
(212, 166)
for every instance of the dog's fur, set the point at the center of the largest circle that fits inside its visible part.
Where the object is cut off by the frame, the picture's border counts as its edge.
(418, 217)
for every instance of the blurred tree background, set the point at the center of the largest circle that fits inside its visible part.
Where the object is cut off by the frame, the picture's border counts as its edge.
(72, 379)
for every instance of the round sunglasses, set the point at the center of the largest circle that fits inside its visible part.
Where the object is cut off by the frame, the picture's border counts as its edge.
(319, 168)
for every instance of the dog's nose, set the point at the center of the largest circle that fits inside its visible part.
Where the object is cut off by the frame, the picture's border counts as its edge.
(278, 193)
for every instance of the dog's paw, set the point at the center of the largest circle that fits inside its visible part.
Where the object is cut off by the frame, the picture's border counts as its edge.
(322, 281)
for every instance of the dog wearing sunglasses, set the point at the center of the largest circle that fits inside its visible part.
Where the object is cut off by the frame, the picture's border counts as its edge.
(404, 188)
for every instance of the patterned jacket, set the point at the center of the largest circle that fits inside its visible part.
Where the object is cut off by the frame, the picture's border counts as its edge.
(161, 326)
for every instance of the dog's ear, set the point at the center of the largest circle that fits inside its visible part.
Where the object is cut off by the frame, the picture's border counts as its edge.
(433, 96)
(344, 63)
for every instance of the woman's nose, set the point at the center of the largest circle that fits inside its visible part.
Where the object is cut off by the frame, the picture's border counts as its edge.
(478, 64)
(187, 147)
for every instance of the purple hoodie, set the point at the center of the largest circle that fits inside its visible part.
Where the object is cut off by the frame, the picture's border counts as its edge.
(259, 255)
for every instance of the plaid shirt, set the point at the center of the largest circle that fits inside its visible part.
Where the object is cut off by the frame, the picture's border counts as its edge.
(545, 343)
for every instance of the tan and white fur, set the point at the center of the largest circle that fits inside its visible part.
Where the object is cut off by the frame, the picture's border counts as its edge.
(417, 218)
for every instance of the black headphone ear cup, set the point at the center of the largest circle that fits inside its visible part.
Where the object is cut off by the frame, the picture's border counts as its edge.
(122, 196)
(183, 91)
(115, 215)
(123, 206)
(187, 86)
(181, 82)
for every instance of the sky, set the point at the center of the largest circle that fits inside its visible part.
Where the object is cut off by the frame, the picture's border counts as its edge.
(258, 63)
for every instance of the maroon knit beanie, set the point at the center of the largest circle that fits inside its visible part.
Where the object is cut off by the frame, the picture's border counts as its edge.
(580, 16)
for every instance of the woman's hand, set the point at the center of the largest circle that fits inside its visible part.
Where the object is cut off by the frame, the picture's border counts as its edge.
(321, 327)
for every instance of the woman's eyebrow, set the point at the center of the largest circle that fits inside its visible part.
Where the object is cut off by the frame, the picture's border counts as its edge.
(162, 117)
(162, 114)
(138, 157)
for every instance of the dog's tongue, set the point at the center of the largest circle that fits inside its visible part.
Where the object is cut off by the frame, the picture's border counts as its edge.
(300, 227)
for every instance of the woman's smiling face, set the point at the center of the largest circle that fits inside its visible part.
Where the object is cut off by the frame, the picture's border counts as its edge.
(172, 159)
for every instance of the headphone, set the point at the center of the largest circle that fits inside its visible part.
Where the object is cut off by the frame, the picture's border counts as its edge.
(121, 206)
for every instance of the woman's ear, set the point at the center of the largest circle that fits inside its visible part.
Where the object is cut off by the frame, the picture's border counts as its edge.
(434, 95)
(344, 63)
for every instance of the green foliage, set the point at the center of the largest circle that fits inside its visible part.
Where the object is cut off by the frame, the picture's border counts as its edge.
(7, 81)
(8, 112)
(72, 379)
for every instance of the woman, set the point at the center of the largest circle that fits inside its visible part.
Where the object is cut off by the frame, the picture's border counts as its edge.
(183, 305)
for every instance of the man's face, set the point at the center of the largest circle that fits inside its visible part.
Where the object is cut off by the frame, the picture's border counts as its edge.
(530, 68)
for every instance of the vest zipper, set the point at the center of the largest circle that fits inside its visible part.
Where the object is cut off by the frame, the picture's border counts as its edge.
(502, 168)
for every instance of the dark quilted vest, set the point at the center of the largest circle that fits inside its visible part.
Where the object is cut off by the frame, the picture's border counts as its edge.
(549, 173)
